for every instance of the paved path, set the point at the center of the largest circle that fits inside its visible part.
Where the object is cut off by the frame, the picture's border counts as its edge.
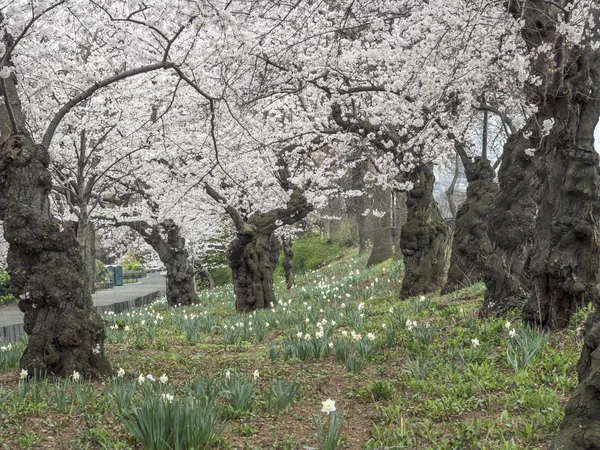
(10, 315)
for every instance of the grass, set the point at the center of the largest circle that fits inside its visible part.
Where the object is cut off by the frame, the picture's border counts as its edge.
(422, 373)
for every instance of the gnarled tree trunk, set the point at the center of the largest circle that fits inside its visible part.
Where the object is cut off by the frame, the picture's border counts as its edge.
(470, 244)
(46, 269)
(253, 257)
(167, 242)
(44, 260)
(381, 225)
(288, 261)
(511, 219)
(424, 238)
(254, 252)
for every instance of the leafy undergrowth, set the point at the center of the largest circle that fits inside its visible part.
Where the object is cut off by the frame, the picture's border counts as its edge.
(424, 373)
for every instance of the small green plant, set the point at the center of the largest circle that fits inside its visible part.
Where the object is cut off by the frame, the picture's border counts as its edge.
(418, 367)
(341, 350)
(10, 354)
(28, 440)
(526, 343)
(121, 393)
(272, 351)
(237, 392)
(205, 391)
(424, 335)
(328, 434)
(354, 365)
(379, 390)
(167, 423)
(247, 430)
(281, 395)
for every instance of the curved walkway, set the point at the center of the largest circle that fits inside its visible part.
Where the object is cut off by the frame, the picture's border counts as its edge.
(117, 298)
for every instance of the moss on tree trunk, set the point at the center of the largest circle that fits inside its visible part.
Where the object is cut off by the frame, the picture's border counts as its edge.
(470, 244)
(253, 258)
(46, 270)
(424, 238)
(511, 220)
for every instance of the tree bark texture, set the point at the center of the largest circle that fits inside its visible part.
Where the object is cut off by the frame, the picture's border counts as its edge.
(167, 242)
(471, 245)
(424, 238)
(511, 220)
(44, 260)
(288, 261)
(381, 227)
(565, 259)
(46, 269)
(253, 258)
(254, 252)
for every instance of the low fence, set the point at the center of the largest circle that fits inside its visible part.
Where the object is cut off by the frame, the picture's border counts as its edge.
(12, 333)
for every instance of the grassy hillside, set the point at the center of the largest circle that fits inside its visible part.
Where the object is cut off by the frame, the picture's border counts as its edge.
(424, 373)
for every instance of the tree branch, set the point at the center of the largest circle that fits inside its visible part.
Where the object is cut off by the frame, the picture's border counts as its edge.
(233, 213)
(67, 107)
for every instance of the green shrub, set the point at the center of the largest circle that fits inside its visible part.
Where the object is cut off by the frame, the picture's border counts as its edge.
(221, 276)
(312, 252)
(102, 272)
(131, 263)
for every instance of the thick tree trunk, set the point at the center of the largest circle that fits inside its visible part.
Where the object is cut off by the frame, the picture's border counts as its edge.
(471, 245)
(166, 240)
(44, 260)
(511, 219)
(382, 237)
(168, 243)
(252, 262)
(288, 261)
(181, 289)
(566, 254)
(424, 238)
(254, 252)
(46, 270)
(580, 429)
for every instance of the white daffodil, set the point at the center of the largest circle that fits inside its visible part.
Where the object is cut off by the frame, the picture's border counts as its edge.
(475, 342)
(24, 374)
(121, 372)
(256, 374)
(75, 376)
(328, 406)
(163, 378)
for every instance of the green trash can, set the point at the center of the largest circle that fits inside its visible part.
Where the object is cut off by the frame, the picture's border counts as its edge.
(116, 273)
